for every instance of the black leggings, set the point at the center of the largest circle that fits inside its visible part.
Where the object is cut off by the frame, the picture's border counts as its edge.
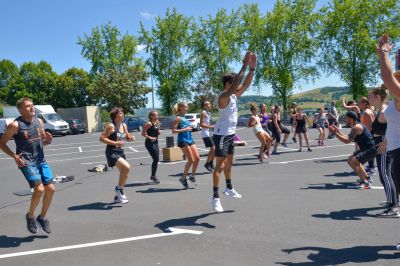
(154, 151)
(396, 168)
(384, 164)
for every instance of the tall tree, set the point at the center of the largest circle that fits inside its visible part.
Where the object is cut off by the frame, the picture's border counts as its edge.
(9, 74)
(215, 43)
(167, 45)
(284, 40)
(118, 76)
(349, 32)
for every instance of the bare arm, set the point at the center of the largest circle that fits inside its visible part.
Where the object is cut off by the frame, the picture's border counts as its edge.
(203, 117)
(128, 137)
(343, 138)
(10, 131)
(175, 127)
(247, 82)
(104, 136)
(144, 132)
(251, 122)
(388, 78)
(367, 118)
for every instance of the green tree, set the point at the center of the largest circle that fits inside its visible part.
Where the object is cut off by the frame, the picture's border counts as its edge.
(118, 76)
(349, 32)
(9, 73)
(215, 43)
(284, 40)
(124, 88)
(72, 89)
(167, 45)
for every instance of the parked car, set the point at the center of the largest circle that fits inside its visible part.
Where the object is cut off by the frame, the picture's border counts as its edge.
(243, 120)
(4, 122)
(76, 126)
(134, 123)
(194, 121)
(165, 122)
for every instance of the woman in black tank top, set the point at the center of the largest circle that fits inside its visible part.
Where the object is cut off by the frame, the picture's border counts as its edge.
(114, 135)
(150, 131)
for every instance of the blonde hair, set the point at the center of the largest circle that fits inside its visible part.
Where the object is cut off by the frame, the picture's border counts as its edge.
(253, 106)
(151, 113)
(175, 109)
(21, 101)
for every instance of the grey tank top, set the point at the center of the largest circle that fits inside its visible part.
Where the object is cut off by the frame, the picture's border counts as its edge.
(29, 141)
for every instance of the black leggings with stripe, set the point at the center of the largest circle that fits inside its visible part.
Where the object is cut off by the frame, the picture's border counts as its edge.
(396, 168)
(384, 162)
(152, 147)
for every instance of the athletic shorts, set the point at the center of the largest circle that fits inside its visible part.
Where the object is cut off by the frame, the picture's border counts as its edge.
(113, 156)
(184, 144)
(223, 145)
(301, 130)
(365, 155)
(38, 174)
(332, 122)
(208, 142)
(285, 130)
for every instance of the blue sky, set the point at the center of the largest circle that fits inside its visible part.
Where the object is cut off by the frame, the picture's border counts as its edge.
(49, 29)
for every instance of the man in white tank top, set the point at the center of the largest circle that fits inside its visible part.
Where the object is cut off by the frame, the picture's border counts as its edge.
(225, 128)
(205, 124)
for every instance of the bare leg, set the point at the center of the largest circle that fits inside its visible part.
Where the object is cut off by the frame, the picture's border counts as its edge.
(300, 141)
(219, 167)
(306, 138)
(123, 167)
(228, 166)
(211, 154)
(195, 158)
(188, 154)
(36, 195)
(48, 196)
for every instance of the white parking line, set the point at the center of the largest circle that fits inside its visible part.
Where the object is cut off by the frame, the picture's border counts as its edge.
(172, 231)
(133, 149)
(80, 149)
(310, 159)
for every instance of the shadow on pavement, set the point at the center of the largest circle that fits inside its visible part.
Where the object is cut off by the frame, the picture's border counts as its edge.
(329, 186)
(142, 184)
(100, 206)
(161, 190)
(188, 221)
(197, 174)
(357, 254)
(353, 214)
(12, 242)
(343, 174)
(331, 161)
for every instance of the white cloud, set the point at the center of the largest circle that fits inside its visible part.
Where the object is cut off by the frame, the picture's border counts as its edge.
(147, 15)
(140, 48)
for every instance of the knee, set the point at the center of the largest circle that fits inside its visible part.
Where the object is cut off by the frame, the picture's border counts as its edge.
(39, 188)
(126, 168)
(50, 188)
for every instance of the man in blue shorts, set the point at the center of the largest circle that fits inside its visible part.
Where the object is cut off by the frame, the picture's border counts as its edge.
(30, 137)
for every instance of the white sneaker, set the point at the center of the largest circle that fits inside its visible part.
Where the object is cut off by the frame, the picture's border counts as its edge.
(216, 204)
(120, 193)
(119, 199)
(232, 193)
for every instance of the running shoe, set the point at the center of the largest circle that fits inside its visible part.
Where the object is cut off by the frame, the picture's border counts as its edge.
(274, 153)
(366, 184)
(389, 213)
(208, 167)
(212, 164)
(232, 193)
(370, 171)
(119, 199)
(309, 149)
(299, 150)
(216, 204)
(398, 247)
(294, 140)
(31, 224)
(44, 223)
(192, 178)
(155, 180)
(184, 183)
(284, 145)
(120, 192)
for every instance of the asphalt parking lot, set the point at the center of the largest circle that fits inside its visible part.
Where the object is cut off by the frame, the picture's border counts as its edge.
(296, 209)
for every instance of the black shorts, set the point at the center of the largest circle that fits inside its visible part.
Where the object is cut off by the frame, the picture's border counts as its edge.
(284, 130)
(113, 156)
(184, 144)
(332, 122)
(223, 145)
(365, 155)
(291, 120)
(208, 142)
(301, 130)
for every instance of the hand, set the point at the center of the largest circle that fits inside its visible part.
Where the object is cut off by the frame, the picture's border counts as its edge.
(332, 129)
(253, 61)
(383, 44)
(19, 161)
(381, 147)
(246, 59)
(119, 144)
(47, 137)
(189, 128)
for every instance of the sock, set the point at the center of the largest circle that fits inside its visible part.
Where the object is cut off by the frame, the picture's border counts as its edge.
(215, 192)
(119, 187)
(229, 183)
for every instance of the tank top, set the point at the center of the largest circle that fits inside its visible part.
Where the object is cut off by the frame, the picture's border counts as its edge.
(29, 142)
(378, 128)
(185, 136)
(365, 140)
(152, 132)
(226, 124)
(321, 120)
(264, 119)
(116, 136)
(300, 123)
(393, 127)
(205, 132)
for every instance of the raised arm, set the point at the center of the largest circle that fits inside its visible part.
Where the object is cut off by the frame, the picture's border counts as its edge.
(390, 81)
(249, 78)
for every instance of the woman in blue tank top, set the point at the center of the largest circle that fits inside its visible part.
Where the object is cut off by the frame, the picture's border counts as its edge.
(182, 127)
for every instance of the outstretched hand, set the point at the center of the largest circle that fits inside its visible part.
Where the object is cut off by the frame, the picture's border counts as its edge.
(383, 44)
(246, 59)
(332, 128)
(47, 137)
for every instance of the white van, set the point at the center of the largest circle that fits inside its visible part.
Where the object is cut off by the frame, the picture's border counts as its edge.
(53, 122)
(4, 122)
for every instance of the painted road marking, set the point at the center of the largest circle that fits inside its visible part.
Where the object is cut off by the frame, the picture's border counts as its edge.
(133, 149)
(172, 231)
(80, 149)
(310, 159)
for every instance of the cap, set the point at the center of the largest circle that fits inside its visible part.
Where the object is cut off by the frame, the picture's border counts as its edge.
(352, 114)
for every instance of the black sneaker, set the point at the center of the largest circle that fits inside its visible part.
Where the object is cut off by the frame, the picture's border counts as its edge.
(208, 167)
(389, 213)
(155, 180)
(31, 224)
(212, 165)
(309, 149)
(192, 178)
(45, 224)
(294, 140)
(184, 182)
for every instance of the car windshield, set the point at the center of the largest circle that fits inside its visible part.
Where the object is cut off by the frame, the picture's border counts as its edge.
(52, 117)
(77, 121)
(189, 116)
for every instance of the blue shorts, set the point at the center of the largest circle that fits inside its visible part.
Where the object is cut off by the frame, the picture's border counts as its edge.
(38, 174)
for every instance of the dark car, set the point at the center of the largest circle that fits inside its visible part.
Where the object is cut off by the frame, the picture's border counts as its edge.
(134, 123)
(166, 122)
(76, 126)
(243, 120)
